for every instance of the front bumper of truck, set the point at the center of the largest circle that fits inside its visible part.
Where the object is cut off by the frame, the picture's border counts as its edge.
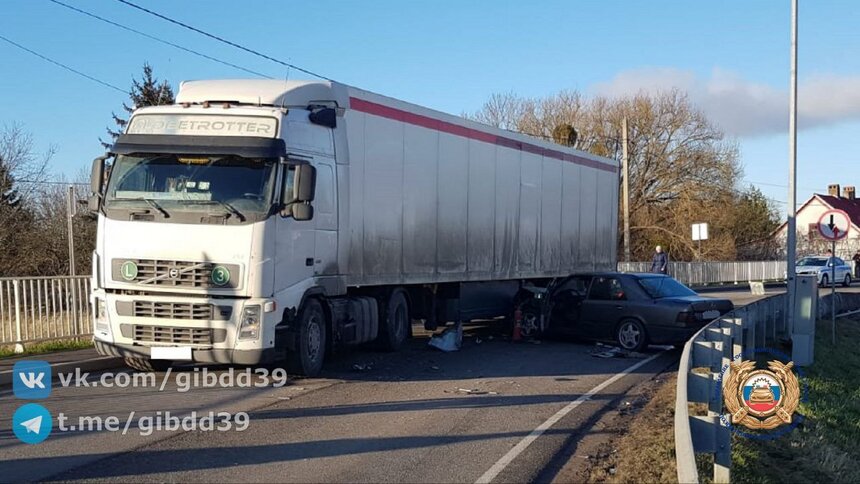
(210, 330)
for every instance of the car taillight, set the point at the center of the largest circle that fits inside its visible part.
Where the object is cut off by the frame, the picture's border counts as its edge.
(687, 317)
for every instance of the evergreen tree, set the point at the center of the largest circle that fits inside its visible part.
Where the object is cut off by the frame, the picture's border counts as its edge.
(9, 196)
(144, 92)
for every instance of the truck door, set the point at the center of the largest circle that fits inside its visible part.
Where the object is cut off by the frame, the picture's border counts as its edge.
(294, 246)
(325, 216)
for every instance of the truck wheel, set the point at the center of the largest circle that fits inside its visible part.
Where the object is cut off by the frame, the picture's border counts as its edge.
(395, 327)
(631, 335)
(308, 357)
(145, 364)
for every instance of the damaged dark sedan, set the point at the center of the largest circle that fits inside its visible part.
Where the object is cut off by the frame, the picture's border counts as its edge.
(632, 310)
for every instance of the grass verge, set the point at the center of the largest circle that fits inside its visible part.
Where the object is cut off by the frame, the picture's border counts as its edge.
(824, 447)
(646, 453)
(46, 347)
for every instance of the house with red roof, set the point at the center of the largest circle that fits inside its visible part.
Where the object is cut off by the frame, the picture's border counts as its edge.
(809, 240)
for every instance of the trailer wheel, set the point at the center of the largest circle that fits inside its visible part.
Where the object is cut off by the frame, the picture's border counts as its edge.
(308, 357)
(396, 325)
(145, 364)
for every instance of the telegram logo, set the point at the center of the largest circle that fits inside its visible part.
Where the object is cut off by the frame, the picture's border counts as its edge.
(32, 423)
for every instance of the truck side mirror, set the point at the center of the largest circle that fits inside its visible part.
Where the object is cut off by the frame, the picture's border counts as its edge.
(306, 180)
(302, 211)
(96, 184)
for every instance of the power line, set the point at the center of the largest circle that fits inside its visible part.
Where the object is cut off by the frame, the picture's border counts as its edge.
(222, 40)
(151, 37)
(46, 182)
(59, 64)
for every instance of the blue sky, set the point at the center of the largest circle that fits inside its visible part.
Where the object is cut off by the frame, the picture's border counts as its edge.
(733, 57)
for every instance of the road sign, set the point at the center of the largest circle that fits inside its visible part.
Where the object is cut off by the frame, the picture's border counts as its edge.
(700, 231)
(834, 224)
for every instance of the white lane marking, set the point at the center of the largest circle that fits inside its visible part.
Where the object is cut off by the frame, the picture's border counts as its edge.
(512, 454)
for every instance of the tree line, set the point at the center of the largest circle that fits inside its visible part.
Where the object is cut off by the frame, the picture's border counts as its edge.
(682, 170)
(34, 237)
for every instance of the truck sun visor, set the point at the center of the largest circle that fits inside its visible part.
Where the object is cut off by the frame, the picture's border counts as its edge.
(244, 146)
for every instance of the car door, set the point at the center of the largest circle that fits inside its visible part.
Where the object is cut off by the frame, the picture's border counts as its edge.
(567, 301)
(605, 305)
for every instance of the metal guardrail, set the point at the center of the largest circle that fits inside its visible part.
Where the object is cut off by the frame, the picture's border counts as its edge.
(36, 309)
(738, 332)
(698, 273)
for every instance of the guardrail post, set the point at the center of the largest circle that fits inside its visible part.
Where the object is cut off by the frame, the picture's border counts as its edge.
(19, 347)
(723, 452)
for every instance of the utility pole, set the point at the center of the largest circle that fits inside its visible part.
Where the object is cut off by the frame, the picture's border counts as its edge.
(791, 239)
(70, 212)
(625, 189)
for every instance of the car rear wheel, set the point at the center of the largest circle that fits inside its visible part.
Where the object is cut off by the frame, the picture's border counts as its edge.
(847, 281)
(631, 335)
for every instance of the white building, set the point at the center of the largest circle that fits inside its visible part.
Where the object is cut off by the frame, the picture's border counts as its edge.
(809, 240)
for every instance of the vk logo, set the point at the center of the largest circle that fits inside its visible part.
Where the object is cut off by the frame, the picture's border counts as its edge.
(32, 423)
(31, 379)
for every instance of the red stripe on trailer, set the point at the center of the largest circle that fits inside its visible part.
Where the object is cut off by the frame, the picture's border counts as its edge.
(389, 112)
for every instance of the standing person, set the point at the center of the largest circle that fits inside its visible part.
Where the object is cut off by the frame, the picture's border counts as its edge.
(660, 261)
(856, 260)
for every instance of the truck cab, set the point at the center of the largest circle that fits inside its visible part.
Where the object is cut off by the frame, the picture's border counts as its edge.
(216, 216)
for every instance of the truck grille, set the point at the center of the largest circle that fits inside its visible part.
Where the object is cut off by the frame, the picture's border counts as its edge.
(171, 273)
(172, 335)
(150, 309)
(189, 274)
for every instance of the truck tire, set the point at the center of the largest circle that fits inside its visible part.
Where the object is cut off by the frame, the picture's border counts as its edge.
(396, 322)
(145, 364)
(308, 357)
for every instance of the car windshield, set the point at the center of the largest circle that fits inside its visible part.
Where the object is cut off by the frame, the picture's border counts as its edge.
(169, 182)
(658, 287)
(812, 261)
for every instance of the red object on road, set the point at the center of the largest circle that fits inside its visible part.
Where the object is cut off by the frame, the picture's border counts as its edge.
(518, 320)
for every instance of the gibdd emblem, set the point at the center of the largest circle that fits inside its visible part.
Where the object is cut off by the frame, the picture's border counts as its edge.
(760, 399)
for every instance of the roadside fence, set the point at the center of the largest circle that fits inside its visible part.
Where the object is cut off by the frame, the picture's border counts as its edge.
(701, 273)
(34, 309)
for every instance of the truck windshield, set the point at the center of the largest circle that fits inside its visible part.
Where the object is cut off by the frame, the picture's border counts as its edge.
(171, 183)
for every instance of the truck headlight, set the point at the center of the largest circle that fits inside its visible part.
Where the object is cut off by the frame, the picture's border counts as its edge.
(249, 326)
(102, 323)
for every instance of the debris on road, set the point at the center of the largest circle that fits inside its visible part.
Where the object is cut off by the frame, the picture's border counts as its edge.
(358, 367)
(478, 341)
(434, 368)
(606, 351)
(449, 340)
(470, 391)
(611, 352)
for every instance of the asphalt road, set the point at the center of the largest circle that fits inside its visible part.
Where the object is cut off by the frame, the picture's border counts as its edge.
(415, 416)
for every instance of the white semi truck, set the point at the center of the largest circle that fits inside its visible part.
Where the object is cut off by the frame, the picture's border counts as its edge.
(256, 221)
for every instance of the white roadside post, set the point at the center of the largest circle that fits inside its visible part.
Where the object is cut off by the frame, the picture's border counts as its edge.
(19, 348)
